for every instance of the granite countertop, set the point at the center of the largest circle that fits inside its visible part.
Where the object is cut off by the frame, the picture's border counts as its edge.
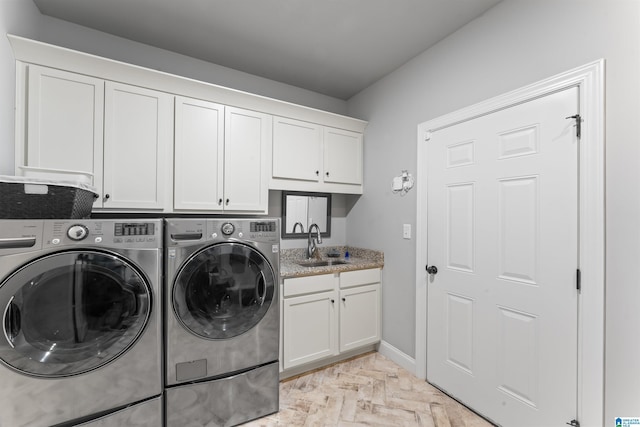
(359, 259)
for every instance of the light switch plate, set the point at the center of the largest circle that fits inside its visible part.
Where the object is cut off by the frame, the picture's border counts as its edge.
(406, 231)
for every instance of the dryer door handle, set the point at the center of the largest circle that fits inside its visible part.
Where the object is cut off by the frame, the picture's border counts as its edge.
(11, 322)
(261, 288)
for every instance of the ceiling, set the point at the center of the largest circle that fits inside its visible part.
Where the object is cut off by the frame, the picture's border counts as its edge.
(333, 47)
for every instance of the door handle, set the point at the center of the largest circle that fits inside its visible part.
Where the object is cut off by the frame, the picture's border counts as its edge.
(432, 269)
(11, 322)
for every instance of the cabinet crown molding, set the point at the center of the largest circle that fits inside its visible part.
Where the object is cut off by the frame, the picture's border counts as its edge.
(40, 53)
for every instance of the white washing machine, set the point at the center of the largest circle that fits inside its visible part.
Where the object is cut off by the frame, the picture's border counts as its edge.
(81, 306)
(222, 320)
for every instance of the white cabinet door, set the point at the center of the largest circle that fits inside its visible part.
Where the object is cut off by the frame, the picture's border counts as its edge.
(198, 155)
(247, 153)
(309, 328)
(297, 150)
(312, 157)
(137, 147)
(359, 316)
(342, 156)
(64, 122)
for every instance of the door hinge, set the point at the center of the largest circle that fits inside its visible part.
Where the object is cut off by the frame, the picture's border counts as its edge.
(578, 120)
(574, 423)
(427, 135)
(578, 280)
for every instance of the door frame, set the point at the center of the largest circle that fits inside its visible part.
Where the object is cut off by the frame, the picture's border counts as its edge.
(589, 79)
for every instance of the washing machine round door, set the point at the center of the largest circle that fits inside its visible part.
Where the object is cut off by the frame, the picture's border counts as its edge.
(223, 290)
(71, 312)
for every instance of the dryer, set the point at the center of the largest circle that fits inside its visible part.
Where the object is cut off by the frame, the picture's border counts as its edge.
(222, 320)
(81, 341)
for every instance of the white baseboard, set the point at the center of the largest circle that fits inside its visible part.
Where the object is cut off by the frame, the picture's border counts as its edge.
(397, 356)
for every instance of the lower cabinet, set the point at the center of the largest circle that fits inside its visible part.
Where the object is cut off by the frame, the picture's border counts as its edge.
(329, 314)
(310, 328)
(359, 316)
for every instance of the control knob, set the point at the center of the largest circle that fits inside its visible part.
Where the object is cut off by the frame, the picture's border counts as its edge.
(77, 232)
(227, 229)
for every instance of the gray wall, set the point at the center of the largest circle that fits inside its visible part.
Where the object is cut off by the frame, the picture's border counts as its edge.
(22, 18)
(514, 44)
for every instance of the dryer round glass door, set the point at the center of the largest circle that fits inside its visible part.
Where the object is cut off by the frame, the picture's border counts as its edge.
(71, 312)
(223, 290)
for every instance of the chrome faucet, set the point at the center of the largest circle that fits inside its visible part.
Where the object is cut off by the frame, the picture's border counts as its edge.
(298, 224)
(312, 240)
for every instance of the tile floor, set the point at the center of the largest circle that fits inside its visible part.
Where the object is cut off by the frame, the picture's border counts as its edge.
(368, 390)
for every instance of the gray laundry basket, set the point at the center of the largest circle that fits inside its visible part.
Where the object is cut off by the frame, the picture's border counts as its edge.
(33, 198)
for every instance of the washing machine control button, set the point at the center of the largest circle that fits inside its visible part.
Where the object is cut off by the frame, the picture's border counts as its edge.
(214, 235)
(240, 234)
(227, 229)
(77, 232)
(55, 241)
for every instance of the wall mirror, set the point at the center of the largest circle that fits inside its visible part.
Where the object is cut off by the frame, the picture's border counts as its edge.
(300, 210)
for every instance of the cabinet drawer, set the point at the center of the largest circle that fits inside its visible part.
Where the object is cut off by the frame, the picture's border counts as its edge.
(359, 277)
(309, 284)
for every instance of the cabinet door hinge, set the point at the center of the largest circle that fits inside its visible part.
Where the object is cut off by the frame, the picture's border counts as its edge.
(574, 423)
(578, 280)
(578, 120)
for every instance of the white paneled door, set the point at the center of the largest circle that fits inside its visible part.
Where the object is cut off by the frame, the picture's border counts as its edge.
(503, 235)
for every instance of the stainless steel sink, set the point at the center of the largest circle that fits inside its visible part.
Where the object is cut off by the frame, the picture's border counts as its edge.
(321, 263)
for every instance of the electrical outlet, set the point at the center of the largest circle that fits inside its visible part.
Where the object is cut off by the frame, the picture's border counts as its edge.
(406, 231)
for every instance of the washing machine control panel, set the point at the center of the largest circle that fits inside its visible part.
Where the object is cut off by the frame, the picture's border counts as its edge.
(184, 232)
(108, 233)
(77, 232)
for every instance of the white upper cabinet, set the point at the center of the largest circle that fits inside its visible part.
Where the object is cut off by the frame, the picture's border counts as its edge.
(312, 157)
(64, 122)
(198, 155)
(221, 158)
(137, 147)
(156, 142)
(120, 135)
(247, 158)
(297, 150)
(342, 157)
